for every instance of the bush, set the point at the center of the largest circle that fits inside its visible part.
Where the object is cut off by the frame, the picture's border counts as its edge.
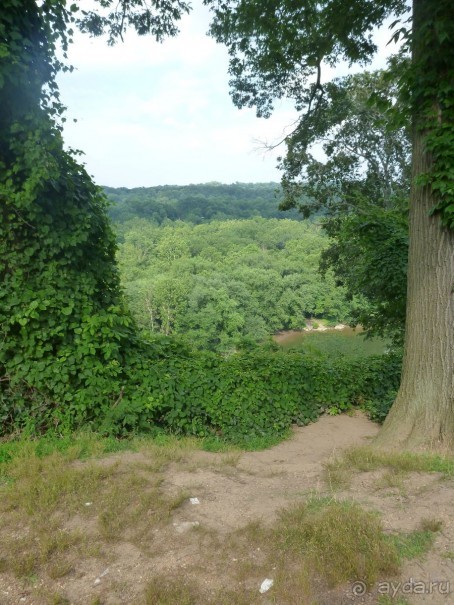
(247, 395)
(163, 385)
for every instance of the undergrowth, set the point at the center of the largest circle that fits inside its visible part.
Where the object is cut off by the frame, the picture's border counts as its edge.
(241, 398)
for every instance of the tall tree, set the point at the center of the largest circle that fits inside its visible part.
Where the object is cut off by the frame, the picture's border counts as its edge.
(278, 49)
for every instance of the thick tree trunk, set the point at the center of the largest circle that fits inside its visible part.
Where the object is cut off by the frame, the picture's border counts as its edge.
(423, 413)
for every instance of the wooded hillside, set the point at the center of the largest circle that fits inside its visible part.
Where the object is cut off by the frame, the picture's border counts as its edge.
(198, 203)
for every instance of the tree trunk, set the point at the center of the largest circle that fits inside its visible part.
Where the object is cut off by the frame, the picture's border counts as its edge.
(423, 413)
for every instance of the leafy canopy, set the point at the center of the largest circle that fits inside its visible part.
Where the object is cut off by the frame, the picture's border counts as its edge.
(278, 49)
(360, 189)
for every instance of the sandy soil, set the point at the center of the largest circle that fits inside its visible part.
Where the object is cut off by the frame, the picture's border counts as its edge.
(236, 489)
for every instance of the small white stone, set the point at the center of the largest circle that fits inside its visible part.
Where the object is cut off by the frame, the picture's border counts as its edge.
(88, 503)
(266, 585)
(194, 500)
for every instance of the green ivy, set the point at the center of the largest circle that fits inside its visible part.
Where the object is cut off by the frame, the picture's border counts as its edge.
(245, 396)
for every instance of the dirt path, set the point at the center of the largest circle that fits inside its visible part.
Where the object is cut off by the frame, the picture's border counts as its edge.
(265, 482)
(202, 541)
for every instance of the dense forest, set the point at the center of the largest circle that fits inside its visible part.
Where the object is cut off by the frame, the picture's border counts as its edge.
(213, 262)
(198, 203)
(228, 284)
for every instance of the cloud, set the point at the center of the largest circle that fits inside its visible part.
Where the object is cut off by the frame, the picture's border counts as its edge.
(152, 114)
(191, 48)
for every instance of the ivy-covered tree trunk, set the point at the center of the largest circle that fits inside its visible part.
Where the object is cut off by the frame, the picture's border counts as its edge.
(67, 341)
(62, 320)
(423, 413)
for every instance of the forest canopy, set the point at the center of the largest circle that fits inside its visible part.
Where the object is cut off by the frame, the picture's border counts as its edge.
(228, 284)
(198, 203)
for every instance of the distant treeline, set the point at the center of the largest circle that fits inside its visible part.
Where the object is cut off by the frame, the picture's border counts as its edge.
(197, 203)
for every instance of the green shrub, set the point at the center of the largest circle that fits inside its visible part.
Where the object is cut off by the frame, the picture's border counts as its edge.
(244, 396)
(165, 386)
(378, 409)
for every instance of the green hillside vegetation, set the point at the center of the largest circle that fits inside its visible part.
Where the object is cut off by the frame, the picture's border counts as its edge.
(72, 355)
(228, 284)
(197, 203)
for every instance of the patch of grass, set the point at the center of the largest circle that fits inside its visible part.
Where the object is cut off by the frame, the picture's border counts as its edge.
(368, 459)
(134, 505)
(24, 564)
(337, 475)
(40, 546)
(216, 444)
(248, 444)
(257, 443)
(241, 596)
(38, 486)
(43, 493)
(417, 543)
(230, 459)
(339, 540)
(60, 569)
(432, 525)
(413, 545)
(58, 599)
(167, 450)
(349, 342)
(387, 600)
(293, 584)
(339, 471)
(391, 480)
(170, 590)
(80, 445)
(49, 597)
(449, 554)
(164, 448)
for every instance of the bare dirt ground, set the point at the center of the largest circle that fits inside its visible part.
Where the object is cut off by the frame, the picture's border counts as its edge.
(236, 492)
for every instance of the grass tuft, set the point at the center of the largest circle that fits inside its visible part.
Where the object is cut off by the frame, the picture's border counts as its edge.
(431, 525)
(387, 600)
(163, 590)
(369, 459)
(339, 471)
(412, 545)
(340, 540)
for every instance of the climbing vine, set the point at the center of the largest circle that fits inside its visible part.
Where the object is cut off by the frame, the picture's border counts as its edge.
(432, 83)
(65, 333)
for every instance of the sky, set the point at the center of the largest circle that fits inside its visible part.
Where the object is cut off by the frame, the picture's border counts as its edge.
(160, 114)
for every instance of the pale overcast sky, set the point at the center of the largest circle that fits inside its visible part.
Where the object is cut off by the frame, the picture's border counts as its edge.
(155, 114)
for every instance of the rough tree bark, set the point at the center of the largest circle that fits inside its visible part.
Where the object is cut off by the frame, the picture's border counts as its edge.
(423, 413)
